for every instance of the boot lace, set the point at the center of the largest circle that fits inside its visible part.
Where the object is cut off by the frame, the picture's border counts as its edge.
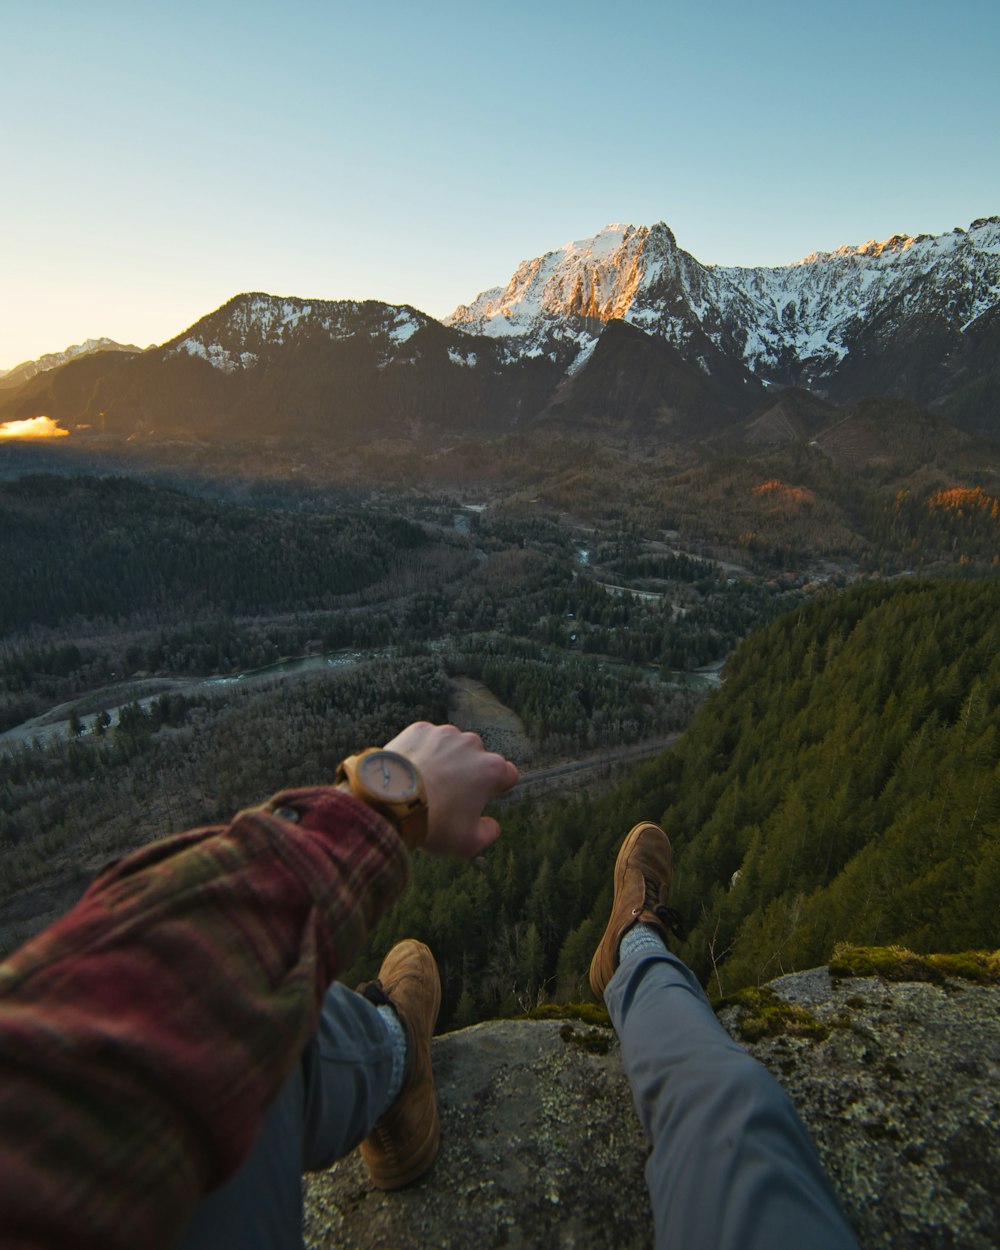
(670, 918)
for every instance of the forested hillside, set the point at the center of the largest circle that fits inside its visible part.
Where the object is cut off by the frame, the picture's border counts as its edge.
(848, 774)
(843, 784)
(113, 548)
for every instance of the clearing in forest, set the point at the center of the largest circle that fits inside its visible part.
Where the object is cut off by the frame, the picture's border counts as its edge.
(475, 707)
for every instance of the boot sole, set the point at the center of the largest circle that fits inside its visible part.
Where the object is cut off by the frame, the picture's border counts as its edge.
(417, 1164)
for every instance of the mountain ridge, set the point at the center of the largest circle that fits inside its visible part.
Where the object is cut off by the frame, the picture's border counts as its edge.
(28, 369)
(913, 317)
(801, 323)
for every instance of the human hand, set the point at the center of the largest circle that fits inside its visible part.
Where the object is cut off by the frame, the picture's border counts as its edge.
(460, 777)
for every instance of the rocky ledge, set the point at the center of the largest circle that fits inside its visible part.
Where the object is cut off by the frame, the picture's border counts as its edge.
(898, 1081)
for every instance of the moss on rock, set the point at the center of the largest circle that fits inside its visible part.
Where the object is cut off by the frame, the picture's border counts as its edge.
(587, 1013)
(595, 1041)
(763, 1014)
(896, 963)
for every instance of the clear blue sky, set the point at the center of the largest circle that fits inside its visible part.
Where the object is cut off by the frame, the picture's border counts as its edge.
(156, 159)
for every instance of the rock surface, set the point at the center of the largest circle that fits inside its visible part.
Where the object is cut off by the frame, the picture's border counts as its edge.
(540, 1146)
(903, 1101)
(898, 1083)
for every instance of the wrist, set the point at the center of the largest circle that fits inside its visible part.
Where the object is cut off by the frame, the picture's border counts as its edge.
(390, 784)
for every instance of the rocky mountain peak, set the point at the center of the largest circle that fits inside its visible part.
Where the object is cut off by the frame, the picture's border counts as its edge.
(661, 235)
(806, 323)
(875, 247)
(591, 279)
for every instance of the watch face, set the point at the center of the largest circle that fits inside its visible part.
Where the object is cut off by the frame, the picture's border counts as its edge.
(388, 776)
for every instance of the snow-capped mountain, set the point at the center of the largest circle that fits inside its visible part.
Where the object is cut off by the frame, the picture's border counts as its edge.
(251, 327)
(817, 308)
(820, 322)
(52, 360)
(594, 279)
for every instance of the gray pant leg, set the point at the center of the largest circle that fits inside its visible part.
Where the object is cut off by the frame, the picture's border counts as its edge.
(732, 1166)
(329, 1103)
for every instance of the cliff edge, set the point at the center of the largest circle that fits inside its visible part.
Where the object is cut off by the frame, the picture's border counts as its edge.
(897, 1080)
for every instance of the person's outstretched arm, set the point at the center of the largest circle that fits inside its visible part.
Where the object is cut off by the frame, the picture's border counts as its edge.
(144, 1034)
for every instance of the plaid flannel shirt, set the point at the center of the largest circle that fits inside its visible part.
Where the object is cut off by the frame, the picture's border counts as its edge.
(144, 1034)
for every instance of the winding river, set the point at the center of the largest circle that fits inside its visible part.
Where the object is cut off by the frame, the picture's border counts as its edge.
(54, 723)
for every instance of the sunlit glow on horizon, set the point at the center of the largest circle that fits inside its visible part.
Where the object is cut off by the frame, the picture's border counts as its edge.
(32, 427)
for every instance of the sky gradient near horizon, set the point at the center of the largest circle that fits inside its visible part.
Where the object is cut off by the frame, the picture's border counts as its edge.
(159, 159)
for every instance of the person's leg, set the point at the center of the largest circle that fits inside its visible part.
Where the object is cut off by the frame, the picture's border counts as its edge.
(731, 1164)
(330, 1102)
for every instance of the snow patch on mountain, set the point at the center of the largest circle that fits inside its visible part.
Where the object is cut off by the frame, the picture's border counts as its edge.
(582, 356)
(217, 355)
(403, 328)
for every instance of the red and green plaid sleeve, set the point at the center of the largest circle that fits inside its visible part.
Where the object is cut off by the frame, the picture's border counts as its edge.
(143, 1035)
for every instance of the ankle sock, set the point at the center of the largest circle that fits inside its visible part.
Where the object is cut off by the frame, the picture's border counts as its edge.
(398, 1040)
(640, 940)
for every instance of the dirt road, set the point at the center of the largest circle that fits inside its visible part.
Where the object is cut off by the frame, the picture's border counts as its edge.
(599, 765)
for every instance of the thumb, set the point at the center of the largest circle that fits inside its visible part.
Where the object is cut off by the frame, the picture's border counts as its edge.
(487, 832)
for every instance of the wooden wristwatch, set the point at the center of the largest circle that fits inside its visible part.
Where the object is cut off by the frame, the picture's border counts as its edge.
(392, 786)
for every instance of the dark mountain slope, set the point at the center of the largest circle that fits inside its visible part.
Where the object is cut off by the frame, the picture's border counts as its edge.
(785, 418)
(638, 384)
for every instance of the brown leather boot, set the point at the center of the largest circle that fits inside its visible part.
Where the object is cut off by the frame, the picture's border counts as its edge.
(643, 871)
(405, 1142)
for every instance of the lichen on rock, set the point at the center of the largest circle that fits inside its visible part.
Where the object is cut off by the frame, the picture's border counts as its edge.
(762, 1013)
(901, 1099)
